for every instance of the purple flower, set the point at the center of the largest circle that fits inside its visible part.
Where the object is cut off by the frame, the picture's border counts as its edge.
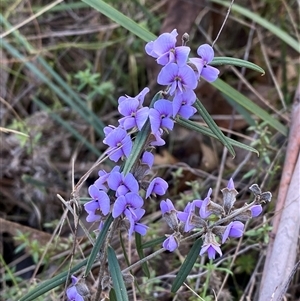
(210, 246)
(182, 104)
(211, 250)
(157, 141)
(170, 243)
(204, 212)
(186, 215)
(256, 210)
(169, 214)
(140, 97)
(159, 116)
(180, 78)
(72, 292)
(120, 144)
(135, 226)
(167, 206)
(206, 53)
(100, 201)
(234, 229)
(157, 186)
(122, 184)
(148, 158)
(127, 204)
(164, 50)
(134, 116)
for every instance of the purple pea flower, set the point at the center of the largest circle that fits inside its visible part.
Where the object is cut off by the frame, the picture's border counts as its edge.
(148, 158)
(157, 141)
(179, 78)
(170, 243)
(127, 204)
(99, 202)
(72, 292)
(164, 50)
(169, 214)
(159, 116)
(122, 184)
(204, 212)
(157, 186)
(256, 210)
(234, 229)
(134, 116)
(206, 53)
(140, 97)
(186, 215)
(210, 246)
(119, 143)
(182, 104)
(103, 176)
(135, 226)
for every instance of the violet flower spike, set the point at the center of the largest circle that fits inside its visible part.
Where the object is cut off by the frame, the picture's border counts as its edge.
(120, 144)
(208, 72)
(234, 229)
(101, 197)
(179, 78)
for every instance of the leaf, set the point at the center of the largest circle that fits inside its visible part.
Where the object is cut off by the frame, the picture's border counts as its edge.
(116, 275)
(206, 131)
(263, 22)
(187, 265)
(98, 244)
(139, 248)
(249, 105)
(217, 61)
(121, 19)
(50, 284)
(212, 125)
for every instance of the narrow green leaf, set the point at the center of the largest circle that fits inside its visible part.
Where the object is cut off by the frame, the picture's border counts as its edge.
(112, 295)
(116, 275)
(212, 125)
(217, 61)
(140, 251)
(50, 284)
(67, 126)
(263, 22)
(98, 244)
(187, 265)
(249, 105)
(206, 131)
(121, 19)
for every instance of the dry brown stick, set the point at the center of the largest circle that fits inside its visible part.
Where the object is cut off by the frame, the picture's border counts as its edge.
(290, 171)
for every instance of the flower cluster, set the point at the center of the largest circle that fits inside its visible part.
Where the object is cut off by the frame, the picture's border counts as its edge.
(196, 215)
(125, 193)
(116, 192)
(181, 75)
